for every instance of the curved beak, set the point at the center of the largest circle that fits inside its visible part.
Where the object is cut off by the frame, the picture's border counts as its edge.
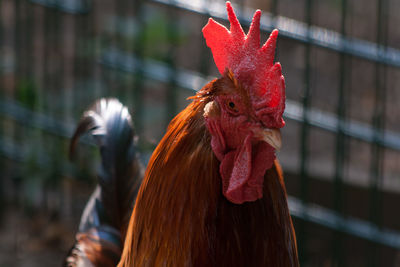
(271, 136)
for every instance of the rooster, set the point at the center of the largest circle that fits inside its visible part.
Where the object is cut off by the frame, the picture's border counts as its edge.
(213, 192)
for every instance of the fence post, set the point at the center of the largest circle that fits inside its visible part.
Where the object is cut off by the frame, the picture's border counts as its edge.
(2, 165)
(304, 135)
(378, 121)
(341, 150)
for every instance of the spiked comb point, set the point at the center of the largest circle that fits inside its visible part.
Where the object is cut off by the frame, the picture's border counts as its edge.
(253, 66)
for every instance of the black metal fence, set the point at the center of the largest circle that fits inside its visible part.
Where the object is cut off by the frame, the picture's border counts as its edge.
(341, 143)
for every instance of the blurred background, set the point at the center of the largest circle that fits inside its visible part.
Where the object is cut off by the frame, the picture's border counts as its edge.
(341, 143)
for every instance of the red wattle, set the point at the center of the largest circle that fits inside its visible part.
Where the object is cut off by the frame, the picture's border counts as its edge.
(242, 171)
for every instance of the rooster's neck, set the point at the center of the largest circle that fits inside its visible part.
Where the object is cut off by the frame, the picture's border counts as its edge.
(179, 190)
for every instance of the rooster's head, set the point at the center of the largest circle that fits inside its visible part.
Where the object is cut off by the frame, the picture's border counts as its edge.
(244, 114)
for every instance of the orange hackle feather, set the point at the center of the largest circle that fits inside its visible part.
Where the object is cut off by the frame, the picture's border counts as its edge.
(181, 217)
(168, 218)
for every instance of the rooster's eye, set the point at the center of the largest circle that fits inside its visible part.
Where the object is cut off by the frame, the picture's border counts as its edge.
(232, 108)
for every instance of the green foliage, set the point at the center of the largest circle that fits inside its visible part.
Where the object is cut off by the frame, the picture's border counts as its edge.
(154, 36)
(27, 93)
(159, 35)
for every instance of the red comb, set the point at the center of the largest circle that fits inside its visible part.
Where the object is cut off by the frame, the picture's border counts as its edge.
(251, 65)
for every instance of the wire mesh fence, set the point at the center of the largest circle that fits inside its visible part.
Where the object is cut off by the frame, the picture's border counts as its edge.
(341, 142)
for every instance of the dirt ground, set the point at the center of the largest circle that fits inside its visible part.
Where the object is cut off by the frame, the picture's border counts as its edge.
(37, 240)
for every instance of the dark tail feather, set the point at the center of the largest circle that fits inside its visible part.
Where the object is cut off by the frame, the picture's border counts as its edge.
(106, 216)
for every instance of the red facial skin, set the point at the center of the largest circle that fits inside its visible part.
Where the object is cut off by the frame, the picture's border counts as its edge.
(244, 156)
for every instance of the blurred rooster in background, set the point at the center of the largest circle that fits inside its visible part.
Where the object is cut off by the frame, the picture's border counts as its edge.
(105, 218)
(213, 192)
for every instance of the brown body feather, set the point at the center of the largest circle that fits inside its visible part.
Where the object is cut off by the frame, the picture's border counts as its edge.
(182, 219)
